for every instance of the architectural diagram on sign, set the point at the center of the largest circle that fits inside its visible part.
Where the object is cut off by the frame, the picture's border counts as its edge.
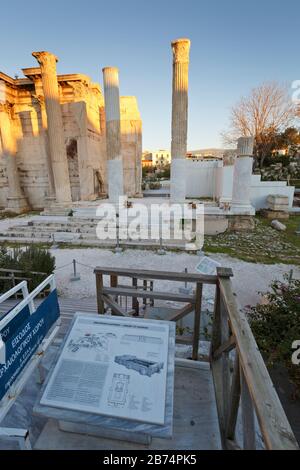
(142, 366)
(142, 339)
(98, 341)
(118, 391)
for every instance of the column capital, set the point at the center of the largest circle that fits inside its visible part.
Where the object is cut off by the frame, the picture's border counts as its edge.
(181, 50)
(47, 60)
(245, 146)
(111, 76)
(110, 69)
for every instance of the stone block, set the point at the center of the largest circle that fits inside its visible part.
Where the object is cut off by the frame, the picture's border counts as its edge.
(215, 224)
(278, 203)
(274, 214)
(241, 223)
(278, 199)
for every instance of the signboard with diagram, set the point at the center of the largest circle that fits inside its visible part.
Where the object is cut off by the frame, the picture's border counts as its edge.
(112, 366)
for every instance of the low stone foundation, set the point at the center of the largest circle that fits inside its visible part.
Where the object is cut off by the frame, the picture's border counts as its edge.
(274, 214)
(241, 223)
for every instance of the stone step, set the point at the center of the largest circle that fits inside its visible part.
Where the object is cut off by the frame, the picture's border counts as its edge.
(50, 229)
(55, 236)
(149, 244)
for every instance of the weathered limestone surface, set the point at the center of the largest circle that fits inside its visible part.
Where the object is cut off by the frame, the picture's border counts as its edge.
(224, 181)
(84, 137)
(58, 153)
(242, 177)
(131, 144)
(15, 198)
(181, 48)
(113, 133)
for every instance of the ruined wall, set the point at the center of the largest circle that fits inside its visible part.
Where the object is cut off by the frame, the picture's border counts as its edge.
(26, 127)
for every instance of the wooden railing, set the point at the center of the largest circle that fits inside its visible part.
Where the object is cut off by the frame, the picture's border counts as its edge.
(240, 377)
(108, 295)
(14, 276)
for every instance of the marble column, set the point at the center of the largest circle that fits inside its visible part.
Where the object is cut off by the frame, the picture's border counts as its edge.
(16, 201)
(113, 133)
(57, 147)
(241, 191)
(181, 49)
(40, 102)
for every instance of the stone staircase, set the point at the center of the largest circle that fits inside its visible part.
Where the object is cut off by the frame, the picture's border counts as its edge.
(76, 230)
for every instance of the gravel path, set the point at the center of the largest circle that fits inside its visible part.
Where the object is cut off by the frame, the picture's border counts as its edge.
(248, 280)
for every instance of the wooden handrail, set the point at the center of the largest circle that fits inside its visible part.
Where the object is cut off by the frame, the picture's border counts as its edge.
(162, 275)
(148, 294)
(274, 425)
(5, 270)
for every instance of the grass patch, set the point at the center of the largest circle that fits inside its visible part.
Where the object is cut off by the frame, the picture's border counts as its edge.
(262, 245)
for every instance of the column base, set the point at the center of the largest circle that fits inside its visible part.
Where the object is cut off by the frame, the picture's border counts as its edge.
(225, 202)
(18, 205)
(178, 180)
(115, 180)
(49, 201)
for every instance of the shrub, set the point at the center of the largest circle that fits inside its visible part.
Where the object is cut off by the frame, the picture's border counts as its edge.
(276, 325)
(32, 259)
(36, 259)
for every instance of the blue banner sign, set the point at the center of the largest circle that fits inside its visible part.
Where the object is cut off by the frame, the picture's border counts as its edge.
(22, 337)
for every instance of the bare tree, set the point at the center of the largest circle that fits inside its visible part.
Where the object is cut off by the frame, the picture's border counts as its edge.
(267, 111)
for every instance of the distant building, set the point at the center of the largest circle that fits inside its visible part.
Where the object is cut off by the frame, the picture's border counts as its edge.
(210, 153)
(161, 157)
(146, 159)
(156, 158)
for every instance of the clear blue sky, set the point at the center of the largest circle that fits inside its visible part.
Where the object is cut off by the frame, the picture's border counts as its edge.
(236, 45)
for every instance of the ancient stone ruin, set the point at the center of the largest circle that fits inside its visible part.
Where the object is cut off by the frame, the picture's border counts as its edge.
(54, 135)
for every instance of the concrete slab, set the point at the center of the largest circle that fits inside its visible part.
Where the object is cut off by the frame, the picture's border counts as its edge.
(195, 420)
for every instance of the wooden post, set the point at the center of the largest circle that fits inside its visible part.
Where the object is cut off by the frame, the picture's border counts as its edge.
(216, 328)
(219, 365)
(247, 415)
(234, 399)
(197, 320)
(135, 303)
(99, 288)
(151, 289)
(114, 283)
(145, 288)
(225, 362)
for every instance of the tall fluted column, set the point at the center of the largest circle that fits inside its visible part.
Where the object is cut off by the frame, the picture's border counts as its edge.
(16, 200)
(241, 190)
(40, 101)
(57, 147)
(113, 133)
(181, 49)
